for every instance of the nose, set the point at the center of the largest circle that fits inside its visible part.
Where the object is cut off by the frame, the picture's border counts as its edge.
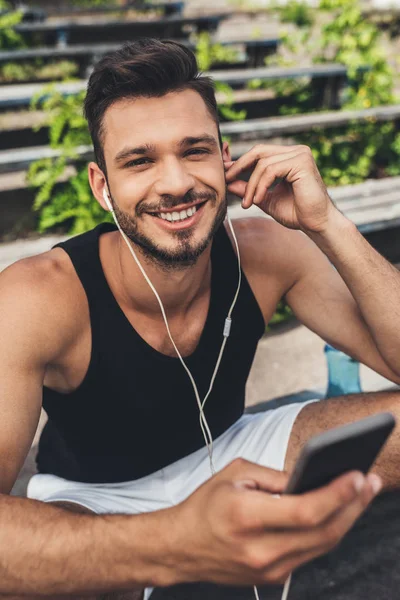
(173, 179)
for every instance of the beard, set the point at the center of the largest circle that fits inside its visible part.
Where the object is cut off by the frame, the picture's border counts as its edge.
(187, 251)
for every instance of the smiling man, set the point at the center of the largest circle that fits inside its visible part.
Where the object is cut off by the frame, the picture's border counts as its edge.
(124, 499)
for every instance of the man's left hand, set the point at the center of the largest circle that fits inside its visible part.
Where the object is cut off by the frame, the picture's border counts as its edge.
(285, 183)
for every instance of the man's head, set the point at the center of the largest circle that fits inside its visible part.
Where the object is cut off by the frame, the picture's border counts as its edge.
(154, 125)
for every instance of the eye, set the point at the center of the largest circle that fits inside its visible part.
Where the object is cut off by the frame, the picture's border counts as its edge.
(137, 162)
(198, 151)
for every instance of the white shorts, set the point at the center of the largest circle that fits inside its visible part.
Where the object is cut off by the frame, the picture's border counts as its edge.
(261, 438)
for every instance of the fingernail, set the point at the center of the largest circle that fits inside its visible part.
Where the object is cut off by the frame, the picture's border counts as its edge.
(375, 482)
(358, 482)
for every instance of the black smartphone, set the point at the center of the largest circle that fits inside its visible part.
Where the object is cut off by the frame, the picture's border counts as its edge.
(352, 447)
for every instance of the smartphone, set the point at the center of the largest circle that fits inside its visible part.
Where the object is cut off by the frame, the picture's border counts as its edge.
(352, 447)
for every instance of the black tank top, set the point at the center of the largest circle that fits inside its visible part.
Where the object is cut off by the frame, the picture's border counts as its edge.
(135, 411)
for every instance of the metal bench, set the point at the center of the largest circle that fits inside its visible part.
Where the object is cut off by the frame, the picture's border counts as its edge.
(167, 8)
(250, 53)
(260, 129)
(62, 32)
(332, 78)
(243, 134)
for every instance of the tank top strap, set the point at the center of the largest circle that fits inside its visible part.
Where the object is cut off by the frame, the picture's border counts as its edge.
(83, 251)
(225, 268)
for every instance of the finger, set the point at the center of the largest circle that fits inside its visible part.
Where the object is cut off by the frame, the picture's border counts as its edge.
(228, 164)
(253, 182)
(306, 510)
(238, 188)
(282, 171)
(260, 178)
(297, 548)
(265, 188)
(265, 479)
(280, 570)
(326, 536)
(241, 188)
(247, 160)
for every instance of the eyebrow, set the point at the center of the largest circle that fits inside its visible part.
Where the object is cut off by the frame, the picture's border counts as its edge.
(203, 139)
(150, 148)
(127, 152)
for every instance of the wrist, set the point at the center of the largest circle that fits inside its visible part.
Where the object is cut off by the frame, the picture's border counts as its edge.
(166, 556)
(335, 228)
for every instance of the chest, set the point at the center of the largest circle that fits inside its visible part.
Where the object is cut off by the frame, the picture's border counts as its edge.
(185, 327)
(186, 330)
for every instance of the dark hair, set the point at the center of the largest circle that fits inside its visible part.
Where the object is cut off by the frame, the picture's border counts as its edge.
(144, 68)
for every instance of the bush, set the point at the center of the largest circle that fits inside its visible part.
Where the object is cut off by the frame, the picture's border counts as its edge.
(9, 38)
(37, 70)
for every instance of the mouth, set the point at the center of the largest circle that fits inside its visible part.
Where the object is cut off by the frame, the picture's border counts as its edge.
(178, 218)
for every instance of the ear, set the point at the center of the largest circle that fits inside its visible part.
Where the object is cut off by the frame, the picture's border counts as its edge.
(226, 152)
(97, 183)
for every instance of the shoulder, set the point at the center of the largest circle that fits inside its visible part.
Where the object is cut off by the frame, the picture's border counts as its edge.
(268, 248)
(42, 301)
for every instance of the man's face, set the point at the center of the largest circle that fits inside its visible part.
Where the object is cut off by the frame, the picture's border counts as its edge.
(166, 175)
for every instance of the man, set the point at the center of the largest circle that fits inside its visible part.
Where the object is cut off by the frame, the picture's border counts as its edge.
(82, 328)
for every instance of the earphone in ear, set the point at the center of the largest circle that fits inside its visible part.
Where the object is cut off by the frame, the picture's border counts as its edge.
(107, 200)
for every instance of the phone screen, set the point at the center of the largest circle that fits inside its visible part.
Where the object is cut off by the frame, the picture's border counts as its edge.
(352, 447)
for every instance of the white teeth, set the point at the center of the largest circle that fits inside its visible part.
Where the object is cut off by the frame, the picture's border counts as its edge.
(178, 216)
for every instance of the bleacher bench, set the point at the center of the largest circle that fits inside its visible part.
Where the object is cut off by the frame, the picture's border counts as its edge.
(332, 75)
(250, 53)
(240, 133)
(62, 32)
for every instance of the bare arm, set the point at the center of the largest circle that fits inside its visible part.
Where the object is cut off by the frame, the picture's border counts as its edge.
(354, 307)
(373, 283)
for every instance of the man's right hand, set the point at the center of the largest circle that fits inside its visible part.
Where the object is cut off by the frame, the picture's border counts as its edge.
(235, 530)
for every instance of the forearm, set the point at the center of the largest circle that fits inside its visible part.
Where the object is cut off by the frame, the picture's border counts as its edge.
(45, 550)
(372, 280)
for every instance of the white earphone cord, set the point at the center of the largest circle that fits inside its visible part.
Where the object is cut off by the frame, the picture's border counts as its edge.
(227, 326)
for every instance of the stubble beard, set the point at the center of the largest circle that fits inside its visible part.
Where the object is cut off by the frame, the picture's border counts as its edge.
(185, 254)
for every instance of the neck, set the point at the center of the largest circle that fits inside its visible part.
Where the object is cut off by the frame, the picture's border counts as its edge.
(177, 289)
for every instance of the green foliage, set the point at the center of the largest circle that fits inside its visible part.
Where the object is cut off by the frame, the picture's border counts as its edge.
(226, 101)
(71, 203)
(299, 13)
(207, 55)
(93, 3)
(354, 153)
(9, 38)
(37, 70)
(283, 313)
